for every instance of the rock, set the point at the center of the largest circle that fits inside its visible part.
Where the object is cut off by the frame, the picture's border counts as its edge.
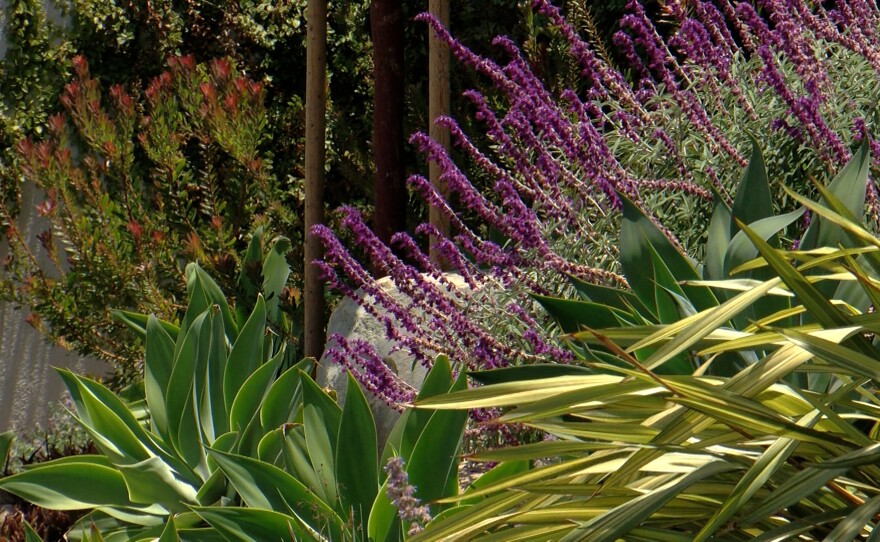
(350, 320)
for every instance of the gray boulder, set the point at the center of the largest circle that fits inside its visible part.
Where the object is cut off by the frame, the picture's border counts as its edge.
(350, 320)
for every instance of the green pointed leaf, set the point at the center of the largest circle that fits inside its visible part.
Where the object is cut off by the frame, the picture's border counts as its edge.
(251, 263)
(178, 396)
(213, 413)
(572, 315)
(138, 323)
(296, 461)
(753, 201)
(438, 381)
(69, 485)
(267, 487)
(357, 461)
(245, 408)
(117, 433)
(169, 533)
(247, 352)
(252, 525)
(433, 466)
(275, 273)
(30, 535)
(321, 418)
(383, 524)
(283, 401)
(849, 187)
(612, 297)
(741, 249)
(153, 482)
(213, 296)
(158, 364)
(719, 236)
(638, 237)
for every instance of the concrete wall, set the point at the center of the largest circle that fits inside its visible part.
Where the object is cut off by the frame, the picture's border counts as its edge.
(27, 381)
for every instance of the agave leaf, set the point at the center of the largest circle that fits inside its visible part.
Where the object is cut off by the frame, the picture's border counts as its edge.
(138, 323)
(271, 446)
(208, 384)
(638, 237)
(357, 461)
(200, 284)
(621, 300)
(275, 273)
(718, 240)
(178, 396)
(246, 354)
(159, 360)
(753, 201)
(437, 382)
(283, 401)
(70, 485)
(741, 250)
(251, 262)
(169, 533)
(116, 430)
(849, 186)
(267, 487)
(297, 462)
(152, 481)
(253, 525)
(667, 311)
(433, 466)
(383, 524)
(321, 417)
(244, 414)
(572, 315)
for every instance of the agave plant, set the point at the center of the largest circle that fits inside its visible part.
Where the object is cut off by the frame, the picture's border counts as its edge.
(229, 443)
(784, 447)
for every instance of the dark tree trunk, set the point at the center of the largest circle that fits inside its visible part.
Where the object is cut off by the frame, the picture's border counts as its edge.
(316, 104)
(388, 138)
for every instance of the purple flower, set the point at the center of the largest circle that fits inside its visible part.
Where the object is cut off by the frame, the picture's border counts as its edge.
(402, 496)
